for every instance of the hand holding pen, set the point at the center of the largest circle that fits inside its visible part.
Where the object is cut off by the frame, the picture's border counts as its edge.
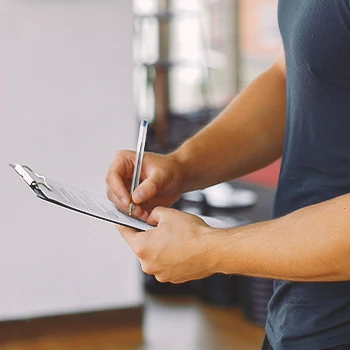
(162, 179)
(140, 149)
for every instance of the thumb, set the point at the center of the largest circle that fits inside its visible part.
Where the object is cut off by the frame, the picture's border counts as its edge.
(147, 189)
(157, 216)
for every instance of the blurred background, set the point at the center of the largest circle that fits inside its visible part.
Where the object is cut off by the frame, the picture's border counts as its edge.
(76, 79)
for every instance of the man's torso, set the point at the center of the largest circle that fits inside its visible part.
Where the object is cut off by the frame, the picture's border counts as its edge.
(316, 161)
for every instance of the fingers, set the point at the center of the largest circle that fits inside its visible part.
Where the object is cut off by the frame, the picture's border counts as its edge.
(135, 239)
(159, 215)
(166, 251)
(155, 216)
(156, 186)
(118, 193)
(128, 234)
(137, 212)
(119, 172)
(148, 188)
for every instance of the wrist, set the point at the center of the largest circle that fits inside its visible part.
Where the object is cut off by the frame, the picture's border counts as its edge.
(224, 257)
(184, 157)
(181, 166)
(213, 250)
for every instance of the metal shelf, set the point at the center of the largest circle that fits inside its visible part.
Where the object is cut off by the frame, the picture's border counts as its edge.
(166, 15)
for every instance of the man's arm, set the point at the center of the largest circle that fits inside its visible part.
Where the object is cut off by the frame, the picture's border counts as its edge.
(311, 245)
(246, 136)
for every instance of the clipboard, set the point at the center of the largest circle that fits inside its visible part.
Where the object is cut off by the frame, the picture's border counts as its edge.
(92, 203)
(75, 198)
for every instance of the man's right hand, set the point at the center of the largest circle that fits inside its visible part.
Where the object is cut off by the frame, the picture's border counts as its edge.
(160, 182)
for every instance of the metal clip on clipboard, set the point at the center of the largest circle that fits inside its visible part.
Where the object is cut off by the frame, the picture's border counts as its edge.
(21, 170)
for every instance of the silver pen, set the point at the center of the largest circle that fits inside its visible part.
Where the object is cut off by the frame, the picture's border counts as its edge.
(140, 149)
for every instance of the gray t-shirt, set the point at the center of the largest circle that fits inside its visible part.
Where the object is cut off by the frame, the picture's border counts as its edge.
(316, 162)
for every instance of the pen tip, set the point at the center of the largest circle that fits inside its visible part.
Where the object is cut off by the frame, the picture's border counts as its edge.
(12, 165)
(144, 122)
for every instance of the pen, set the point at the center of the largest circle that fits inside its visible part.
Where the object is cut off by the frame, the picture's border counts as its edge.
(140, 148)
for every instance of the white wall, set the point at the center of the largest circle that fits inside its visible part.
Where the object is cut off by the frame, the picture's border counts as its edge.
(66, 106)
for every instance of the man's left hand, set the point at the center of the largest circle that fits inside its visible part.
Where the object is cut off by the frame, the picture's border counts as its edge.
(180, 248)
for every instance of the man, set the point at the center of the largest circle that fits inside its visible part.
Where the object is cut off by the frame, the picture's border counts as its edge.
(299, 107)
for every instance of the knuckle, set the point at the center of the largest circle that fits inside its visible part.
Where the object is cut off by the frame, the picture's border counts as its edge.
(154, 186)
(119, 154)
(149, 270)
(161, 279)
(140, 252)
(109, 194)
(157, 210)
(176, 281)
(108, 177)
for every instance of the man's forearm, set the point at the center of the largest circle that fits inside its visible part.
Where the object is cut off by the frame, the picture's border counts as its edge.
(246, 136)
(311, 244)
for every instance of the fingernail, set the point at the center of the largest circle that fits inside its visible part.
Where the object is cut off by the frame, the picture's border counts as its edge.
(137, 211)
(124, 201)
(138, 196)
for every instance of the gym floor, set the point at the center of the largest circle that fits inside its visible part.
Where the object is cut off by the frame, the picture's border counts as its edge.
(169, 323)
